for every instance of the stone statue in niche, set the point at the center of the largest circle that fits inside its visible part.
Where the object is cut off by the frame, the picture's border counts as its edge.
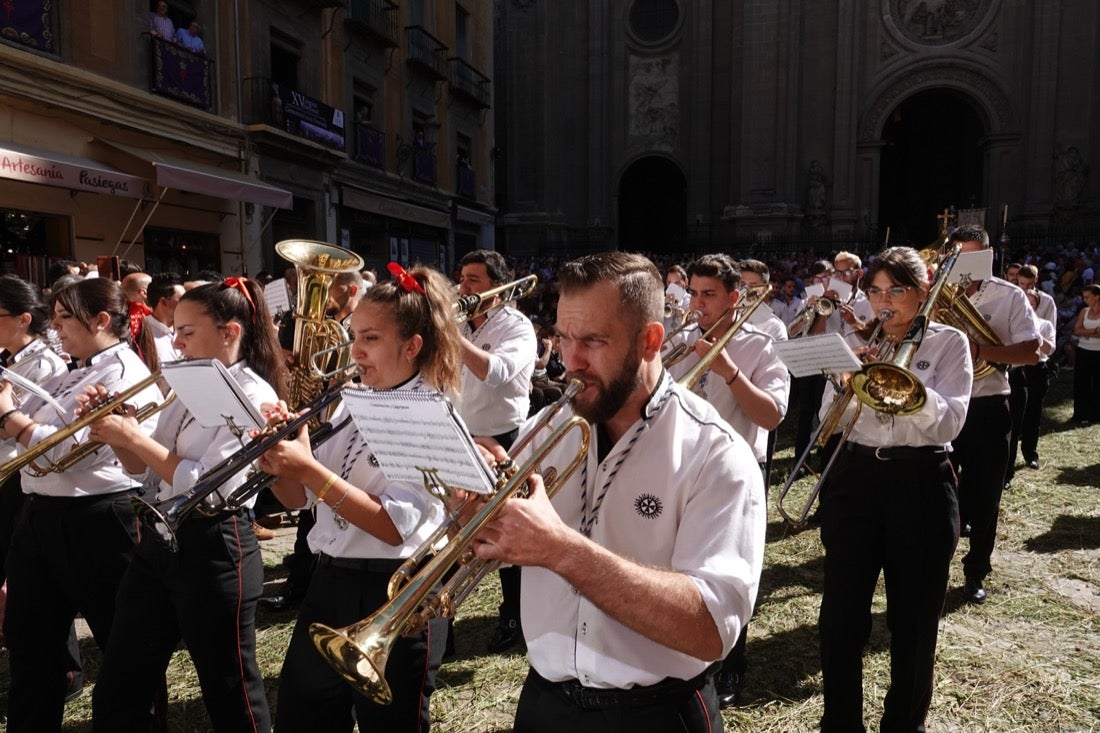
(937, 21)
(1071, 174)
(817, 190)
(654, 99)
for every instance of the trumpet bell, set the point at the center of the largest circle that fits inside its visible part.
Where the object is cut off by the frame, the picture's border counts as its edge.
(889, 389)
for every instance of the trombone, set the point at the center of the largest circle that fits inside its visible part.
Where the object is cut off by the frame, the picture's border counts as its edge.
(748, 301)
(359, 652)
(470, 307)
(165, 517)
(79, 451)
(753, 297)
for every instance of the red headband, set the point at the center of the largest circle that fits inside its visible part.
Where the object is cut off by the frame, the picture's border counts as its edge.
(238, 283)
(404, 279)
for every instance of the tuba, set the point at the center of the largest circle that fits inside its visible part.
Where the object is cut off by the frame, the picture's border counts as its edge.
(317, 264)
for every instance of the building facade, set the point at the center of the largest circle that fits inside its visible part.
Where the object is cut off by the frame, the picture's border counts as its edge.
(692, 125)
(362, 123)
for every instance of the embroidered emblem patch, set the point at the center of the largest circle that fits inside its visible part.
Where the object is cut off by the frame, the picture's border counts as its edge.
(648, 505)
(922, 364)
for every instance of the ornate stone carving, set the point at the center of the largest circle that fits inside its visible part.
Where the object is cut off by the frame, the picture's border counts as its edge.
(655, 100)
(936, 22)
(1071, 177)
(886, 50)
(992, 98)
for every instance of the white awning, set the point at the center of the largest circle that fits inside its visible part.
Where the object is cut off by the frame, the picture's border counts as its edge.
(172, 172)
(32, 165)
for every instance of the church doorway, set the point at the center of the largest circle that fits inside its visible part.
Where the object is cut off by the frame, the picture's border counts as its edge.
(653, 207)
(931, 159)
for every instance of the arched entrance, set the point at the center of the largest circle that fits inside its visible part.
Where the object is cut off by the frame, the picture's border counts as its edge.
(931, 159)
(653, 207)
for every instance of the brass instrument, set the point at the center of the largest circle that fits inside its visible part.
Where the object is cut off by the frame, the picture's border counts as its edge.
(469, 307)
(822, 307)
(746, 306)
(359, 652)
(79, 451)
(316, 264)
(689, 320)
(164, 517)
(680, 351)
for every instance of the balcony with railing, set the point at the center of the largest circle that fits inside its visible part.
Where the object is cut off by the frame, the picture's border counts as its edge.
(423, 166)
(467, 181)
(370, 146)
(277, 105)
(181, 74)
(376, 19)
(468, 82)
(425, 52)
(32, 24)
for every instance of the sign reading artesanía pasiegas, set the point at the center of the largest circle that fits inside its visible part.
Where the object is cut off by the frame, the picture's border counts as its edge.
(57, 169)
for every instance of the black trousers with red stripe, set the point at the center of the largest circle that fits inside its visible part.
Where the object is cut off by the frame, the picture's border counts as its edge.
(206, 595)
(313, 697)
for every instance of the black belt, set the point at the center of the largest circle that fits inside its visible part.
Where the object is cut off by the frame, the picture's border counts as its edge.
(592, 698)
(360, 564)
(897, 452)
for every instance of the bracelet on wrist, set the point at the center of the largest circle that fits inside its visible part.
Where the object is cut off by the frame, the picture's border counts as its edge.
(5, 417)
(733, 379)
(324, 490)
(26, 427)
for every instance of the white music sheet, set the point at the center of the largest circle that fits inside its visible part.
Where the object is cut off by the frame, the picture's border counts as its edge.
(277, 297)
(972, 267)
(408, 431)
(211, 394)
(812, 355)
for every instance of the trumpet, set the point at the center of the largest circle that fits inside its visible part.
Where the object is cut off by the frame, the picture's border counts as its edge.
(79, 451)
(359, 652)
(165, 517)
(470, 307)
(822, 307)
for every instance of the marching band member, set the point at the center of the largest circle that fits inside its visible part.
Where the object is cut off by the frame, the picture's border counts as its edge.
(890, 506)
(404, 338)
(981, 450)
(755, 274)
(498, 358)
(206, 593)
(642, 569)
(1029, 383)
(78, 529)
(747, 383)
(1086, 377)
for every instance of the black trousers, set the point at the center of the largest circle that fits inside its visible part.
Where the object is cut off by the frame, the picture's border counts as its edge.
(1025, 403)
(206, 595)
(544, 708)
(1086, 385)
(509, 576)
(313, 697)
(899, 518)
(981, 459)
(68, 556)
(807, 393)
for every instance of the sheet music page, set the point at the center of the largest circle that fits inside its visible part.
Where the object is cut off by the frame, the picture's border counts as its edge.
(277, 296)
(761, 314)
(814, 289)
(408, 430)
(212, 395)
(972, 267)
(812, 355)
(24, 387)
(843, 290)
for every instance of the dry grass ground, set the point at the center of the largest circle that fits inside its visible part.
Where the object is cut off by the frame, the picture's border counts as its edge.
(1027, 660)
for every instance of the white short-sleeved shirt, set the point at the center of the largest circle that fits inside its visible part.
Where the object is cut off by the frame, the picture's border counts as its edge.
(764, 318)
(684, 493)
(942, 364)
(201, 449)
(1047, 309)
(501, 402)
(164, 339)
(414, 513)
(752, 352)
(117, 368)
(1006, 310)
(36, 362)
(785, 311)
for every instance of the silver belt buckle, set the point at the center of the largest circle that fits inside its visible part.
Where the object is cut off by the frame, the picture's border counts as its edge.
(878, 455)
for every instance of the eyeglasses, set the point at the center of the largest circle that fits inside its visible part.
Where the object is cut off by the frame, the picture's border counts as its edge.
(821, 278)
(892, 293)
(849, 271)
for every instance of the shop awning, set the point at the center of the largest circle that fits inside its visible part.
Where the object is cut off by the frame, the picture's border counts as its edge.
(184, 175)
(377, 204)
(32, 165)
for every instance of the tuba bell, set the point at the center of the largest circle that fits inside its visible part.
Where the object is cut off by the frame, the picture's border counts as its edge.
(317, 264)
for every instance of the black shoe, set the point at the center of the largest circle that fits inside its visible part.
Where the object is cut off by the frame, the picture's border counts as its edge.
(1033, 464)
(728, 685)
(509, 633)
(279, 602)
(974, 591)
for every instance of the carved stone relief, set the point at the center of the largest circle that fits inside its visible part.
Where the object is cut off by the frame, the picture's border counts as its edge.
(654, 100)
(886, 50)
(1071, 177)
(935, 22)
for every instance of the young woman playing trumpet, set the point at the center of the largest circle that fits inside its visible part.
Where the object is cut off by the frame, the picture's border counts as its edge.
(890, 507)
(404, 337)
(206, 593)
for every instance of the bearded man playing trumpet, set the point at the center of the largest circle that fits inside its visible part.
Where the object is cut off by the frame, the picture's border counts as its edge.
(640, 571)
(890, 507)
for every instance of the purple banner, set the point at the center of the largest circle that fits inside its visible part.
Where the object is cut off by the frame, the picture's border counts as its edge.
(370, 146)
(307, 117)
(29, 23)
(180, 74)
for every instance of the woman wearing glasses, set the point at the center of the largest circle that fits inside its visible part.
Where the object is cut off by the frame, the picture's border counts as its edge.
(890, 507)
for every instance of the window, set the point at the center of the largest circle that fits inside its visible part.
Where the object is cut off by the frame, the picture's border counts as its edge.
(178, 250)
(462, 33)
(652, 21)
(285, 55)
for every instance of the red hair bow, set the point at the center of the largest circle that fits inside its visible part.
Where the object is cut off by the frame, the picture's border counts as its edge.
(404, 279)
(238, 283)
